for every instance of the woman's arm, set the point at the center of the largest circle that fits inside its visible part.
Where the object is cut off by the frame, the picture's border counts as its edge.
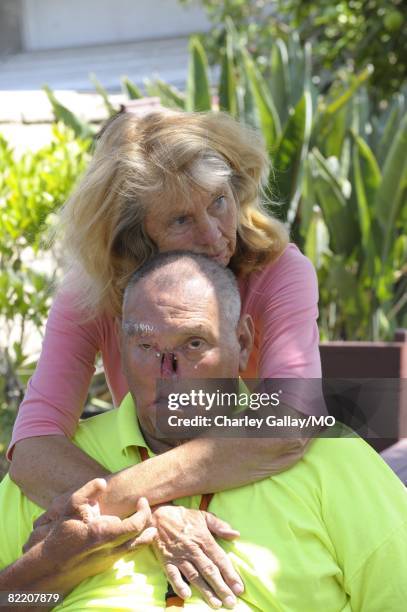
(57, 391)
(283, 301)
(49, 466)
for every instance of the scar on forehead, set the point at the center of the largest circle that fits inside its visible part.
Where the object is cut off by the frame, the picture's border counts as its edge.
(133, 328)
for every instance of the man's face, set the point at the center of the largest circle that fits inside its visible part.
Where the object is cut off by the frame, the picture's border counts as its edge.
(177, 332)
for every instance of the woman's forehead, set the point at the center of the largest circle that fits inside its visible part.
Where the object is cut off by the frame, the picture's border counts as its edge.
(188, 200)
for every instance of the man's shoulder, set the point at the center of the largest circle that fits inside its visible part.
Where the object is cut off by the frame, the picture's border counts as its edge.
(347, 468)
(99, 436)
(94, 424)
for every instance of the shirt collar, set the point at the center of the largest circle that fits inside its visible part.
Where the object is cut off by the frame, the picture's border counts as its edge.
(130, 433)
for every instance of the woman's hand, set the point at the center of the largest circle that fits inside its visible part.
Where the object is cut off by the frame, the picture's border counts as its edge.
(188, 551)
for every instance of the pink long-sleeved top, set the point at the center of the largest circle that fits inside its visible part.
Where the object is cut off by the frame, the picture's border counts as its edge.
(282, 299)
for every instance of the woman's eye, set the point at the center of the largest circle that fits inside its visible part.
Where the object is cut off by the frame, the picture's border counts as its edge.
(220, 202)
(182, 220)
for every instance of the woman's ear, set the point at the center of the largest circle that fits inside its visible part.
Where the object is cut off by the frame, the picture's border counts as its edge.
(245, 335)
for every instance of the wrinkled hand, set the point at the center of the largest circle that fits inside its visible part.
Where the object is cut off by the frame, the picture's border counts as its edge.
(187, 549)
(81, 542)
(59, 508)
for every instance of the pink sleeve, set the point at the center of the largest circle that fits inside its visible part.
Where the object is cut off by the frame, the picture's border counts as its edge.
(284, 302)
(57, 391)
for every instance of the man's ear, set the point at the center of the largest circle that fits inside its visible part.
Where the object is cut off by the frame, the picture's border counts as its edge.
(245, 336)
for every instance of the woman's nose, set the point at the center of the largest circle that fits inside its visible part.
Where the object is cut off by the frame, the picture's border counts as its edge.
(208, 232)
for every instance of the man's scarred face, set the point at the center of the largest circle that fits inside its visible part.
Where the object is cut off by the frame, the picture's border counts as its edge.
(177, 330)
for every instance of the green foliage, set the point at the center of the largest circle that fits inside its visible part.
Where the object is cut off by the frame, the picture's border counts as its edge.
(80, 128)
(129, 88)
(355, 33)
(32, 188)
(339, 173)
(198, 91)
(104, 95)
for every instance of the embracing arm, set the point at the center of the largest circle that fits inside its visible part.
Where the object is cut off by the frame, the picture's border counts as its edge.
(182, 471)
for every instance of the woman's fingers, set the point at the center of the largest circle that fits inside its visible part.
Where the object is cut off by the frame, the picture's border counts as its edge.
(207, 593)
(225, 566)
(203, 570)
(185, 541)
(138, 521)
(220, 528)
(144, 539)
(177, 581)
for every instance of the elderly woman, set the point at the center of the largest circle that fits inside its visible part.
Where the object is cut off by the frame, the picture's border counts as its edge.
(158, 183)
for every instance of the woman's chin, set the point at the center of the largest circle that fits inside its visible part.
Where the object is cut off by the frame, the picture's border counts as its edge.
(223, 258)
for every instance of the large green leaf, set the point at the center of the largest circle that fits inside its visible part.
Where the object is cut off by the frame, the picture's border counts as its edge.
(279, 81)
(298, 68)
(259, 106)
(391, 193)
(334, 106)
(390, 129)
(62, 113)
(332, 119)
(227, 83)
(103, 93)
(317, 240)
(198, 90)
(170, 96)
(290, 155)
(308, 199)
(330, 141)
(367, 179)
(343, 235)
(132, 91)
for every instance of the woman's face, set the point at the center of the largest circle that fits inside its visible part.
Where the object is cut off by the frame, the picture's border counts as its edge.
(205, 224)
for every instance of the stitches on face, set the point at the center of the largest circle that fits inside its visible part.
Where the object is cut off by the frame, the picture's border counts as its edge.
(132, 328)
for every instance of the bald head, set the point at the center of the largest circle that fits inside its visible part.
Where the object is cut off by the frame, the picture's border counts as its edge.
(184, 273)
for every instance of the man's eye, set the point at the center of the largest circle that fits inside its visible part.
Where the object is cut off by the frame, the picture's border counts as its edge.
(145, 347)
(195, 344)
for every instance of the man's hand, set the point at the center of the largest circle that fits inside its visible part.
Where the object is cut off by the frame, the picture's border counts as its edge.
(187, 550)
(81, 542)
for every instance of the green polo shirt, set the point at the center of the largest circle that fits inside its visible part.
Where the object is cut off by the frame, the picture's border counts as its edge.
(329, 534)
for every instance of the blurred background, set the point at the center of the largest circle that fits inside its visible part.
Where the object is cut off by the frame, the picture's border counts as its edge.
(324, 83)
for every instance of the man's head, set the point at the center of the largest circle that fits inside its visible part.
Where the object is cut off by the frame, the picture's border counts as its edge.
(181, 320)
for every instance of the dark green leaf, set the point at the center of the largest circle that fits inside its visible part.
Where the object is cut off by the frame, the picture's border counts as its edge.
(198, 90)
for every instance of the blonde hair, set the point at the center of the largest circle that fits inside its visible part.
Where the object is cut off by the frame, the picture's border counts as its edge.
(136, 162)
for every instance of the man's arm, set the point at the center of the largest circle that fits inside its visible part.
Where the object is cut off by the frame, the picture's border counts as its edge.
(82, 543)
